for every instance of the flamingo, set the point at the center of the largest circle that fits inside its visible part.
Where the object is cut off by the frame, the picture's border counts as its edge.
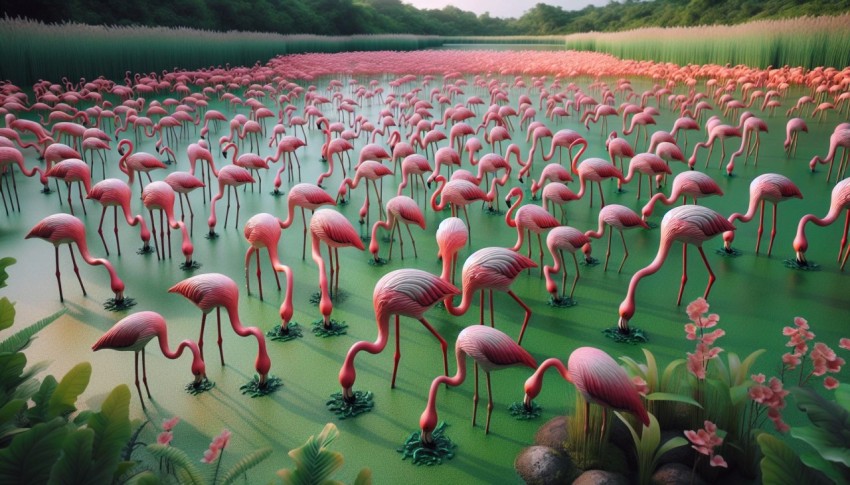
(330, 148)
(562, 139)
(598, 379)
(460, 193)
(183, 183)
(840, 138)
(491, 350)
(490, 268)
(133, 332)
(621, 218)
(250, 161)
(839, 201)
(560, 194)
(689, 224)
(263, 231)
(716, 132)
(691, 183)
(593, 170)
(768, 187)
(752, 128)
(792, 132)
(619, 148)
(305, 196)
(552, 172)
(558, 240)
(648, 164)
(286, 147)
(9, 156)
(72, 170)
(404, 292)
(451, 236)
(160, 196)
(210, 291)
(400, 208)
(200, 151)
(114, 193)
(230, 176)
(529, 218)
(413, 165)
(370, 171)
(61, 228)
(332, 228)
(131, 162)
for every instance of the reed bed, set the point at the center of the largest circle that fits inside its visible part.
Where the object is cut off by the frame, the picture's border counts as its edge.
(804, 41)
(505, 39)
(33, 50)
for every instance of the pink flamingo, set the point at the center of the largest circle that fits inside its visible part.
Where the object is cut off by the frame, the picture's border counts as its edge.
(61, 228)
(491, 350)
(216, 291)
(451, 236)
(133, 332)
(639, 120)
(160, 196)
(593, 170)
(752, 128)
(840, 138)
(552, 172)
(689, 224)
(560, 239)
(529, 218)
(717, 132)
(648, 164)
(768, 187)
(404, 292)
(598, 378)
(460, 193)
(263, 231)
(621, 218)
(669, 152)
(12, 156)
(231, 176)
(92, 144)
(559, 194)
(183, 183)
(691, 183)
(411, 166)
(72, 170)
(114, 193)
(286, 146)
(200, 151)
(250, 161)
(55, 153)
(839, 201)
(618, 148)
(305, 196)
(131, 162)
(337, 146)
(370, 171)
(445, 156)
(400, 208)
(562, 139)
(491, 268)
(792, 132)
(332, 228)
(491, 163)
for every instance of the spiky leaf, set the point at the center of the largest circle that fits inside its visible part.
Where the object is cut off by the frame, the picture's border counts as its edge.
(743, 371)
(20, 340)
(651, 370)
(112, 429)
(40, 399)
(133, 442)
(7, 313)
(246, 463)
(74, 464)
(669, 396)
(781, 465)
(64, 398)
(314, 463)
(11, 370)
(23, 462)
(184, 467)
(5, 263)
(364, 477)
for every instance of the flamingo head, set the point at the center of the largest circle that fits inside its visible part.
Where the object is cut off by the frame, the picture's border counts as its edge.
(586, 249)
(532, 388)
(515, 192)
(199, 370)
(627, 311)
(814, 162)
(427, 423)
(728, 237)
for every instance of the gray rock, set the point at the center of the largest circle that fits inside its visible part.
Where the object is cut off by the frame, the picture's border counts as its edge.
(541, 465)
(553, 433)
(681, 454)
(601, 477)
(676, 474)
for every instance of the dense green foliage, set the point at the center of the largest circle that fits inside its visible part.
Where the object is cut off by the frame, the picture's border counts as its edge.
(347, 17)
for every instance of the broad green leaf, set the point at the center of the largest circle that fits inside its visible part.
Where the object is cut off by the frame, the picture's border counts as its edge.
(827, 416)
(147, 477)
(813, 460)
(185, 468)
(5, 263)
(23, 462)
(669, 396)
(842, 397)
(781, 465)
(246, 463)
(739, 394)
(122, 468)
(822, 441)
(7, 313)
(74, 464)
(112, 429)
(744, 369)
(8, 414)
(364, 477)
(38, 413)
(633, 366)
(625, 421)
(11, 370)
(669, 370)
(651, 369)
(670, 444)
(314, 463)
(64, 398)
(722, 371)
(22, 338)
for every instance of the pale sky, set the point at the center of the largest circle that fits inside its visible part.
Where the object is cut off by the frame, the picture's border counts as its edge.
(503, 8)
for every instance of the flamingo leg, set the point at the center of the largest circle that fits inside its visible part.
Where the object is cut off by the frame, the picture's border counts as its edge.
(575, 280)
(138, 388)
(227, 212)
(58, 280)
(80, 191)
(492, 320)
(684, 272)
(844, 259)
(259, 278)
(412, 241)
(76, 269)
(397, 355)
(304, 233)
(711, 276)
(527, 315)
(145, 374)
(564, 275)
(247, 267)
(772, 232)
(844, 236)
(475, 395)
(238, 206)
(465, 215)
(481, 308)
(444, 346)
(392, 239)
(601, 195)
(489, 403)
(191, 213)
(528, 236)
(276, 277)
(625, 252)
(218, 321)
(100, 228)
(608, 251)
(760, 230)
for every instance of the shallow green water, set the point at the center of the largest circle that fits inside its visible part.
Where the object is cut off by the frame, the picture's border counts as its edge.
(755, 296)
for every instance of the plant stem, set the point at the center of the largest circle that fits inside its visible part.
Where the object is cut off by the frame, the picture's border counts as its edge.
(217, 466)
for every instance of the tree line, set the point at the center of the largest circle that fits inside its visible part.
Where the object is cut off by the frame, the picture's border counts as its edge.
(348, 17)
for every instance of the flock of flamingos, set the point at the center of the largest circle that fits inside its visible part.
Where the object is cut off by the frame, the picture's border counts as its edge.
(446, 134)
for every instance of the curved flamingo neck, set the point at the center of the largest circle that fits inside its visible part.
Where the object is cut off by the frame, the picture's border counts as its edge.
(115, 282)
(534, 384)
(428, 420)
(627, 307)
(509, 216)
(574, 164)
(387, 225)
(263, 362)
(465, 301)
(347, 374)
(438, 193)
(325, 304)
(290, 216)
(599, 232)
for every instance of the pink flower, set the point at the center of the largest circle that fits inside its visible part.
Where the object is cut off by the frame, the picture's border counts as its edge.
(640, 385)
(830, 383)
(790, 360)
(164, 438)
(696, 308)
(695, 365)
(844, 343)
(801, 322)
(709, 321)
(710, 337)
(211, 455)
(705, 441)
(169, 424)
(760, 394)
(221, 440)
(691, 331)
(718, 460)
(757, 378)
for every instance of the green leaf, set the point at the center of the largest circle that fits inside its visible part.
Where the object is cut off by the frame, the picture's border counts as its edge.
(185, 468)
(64, 398)
(634, 367)
(842, 397)
(314, 463)
(20, 340)
(246, 463)
(813, 460)
(111, 426)
(781, 465)
(651, 369)
(364, 477)
(744, 369)
(822, 441)
(669, 396)
(75, 464)
(8, 418)
(23, 462)
(668, 372)
(38, 413)
(7, 313)
(5, 263)
(145, 478)
(11, 371)
(670, 444)
(828, 417)
(739, 394)
(722, 370)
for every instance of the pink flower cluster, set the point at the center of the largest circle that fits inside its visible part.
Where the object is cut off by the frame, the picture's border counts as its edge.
(698, 361)
(822, 357)
(705, 441)
(216, 446)
(771, 396)
(166, 435)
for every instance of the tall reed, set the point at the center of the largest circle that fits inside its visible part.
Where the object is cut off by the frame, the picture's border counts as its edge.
(804, 41)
